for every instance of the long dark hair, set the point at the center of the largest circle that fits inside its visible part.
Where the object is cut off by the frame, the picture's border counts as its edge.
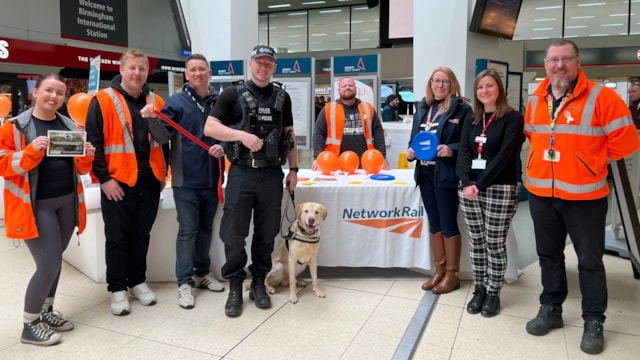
(502, 106)
(46, 76)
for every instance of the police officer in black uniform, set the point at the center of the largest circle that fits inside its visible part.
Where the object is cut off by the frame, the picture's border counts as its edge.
(255, 119)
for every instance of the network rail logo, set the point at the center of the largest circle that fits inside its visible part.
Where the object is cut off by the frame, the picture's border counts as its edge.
(399, 220)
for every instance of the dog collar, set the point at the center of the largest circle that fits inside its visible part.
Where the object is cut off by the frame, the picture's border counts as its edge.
(310, 240)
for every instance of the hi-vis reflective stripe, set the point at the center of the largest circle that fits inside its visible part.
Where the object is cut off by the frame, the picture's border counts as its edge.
(572, 188)
(17, 191)
(81, 197)
(333, 140)
(17, 155)
(128, 140)
(585, 128)
(367, 113)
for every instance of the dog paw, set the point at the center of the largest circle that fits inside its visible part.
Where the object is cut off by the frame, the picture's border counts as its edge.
(271, 290)
(319, 293)
(302, 283)
(293, 299)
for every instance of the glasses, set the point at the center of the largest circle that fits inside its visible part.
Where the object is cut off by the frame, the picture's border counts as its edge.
(441, 82)
(564, 60)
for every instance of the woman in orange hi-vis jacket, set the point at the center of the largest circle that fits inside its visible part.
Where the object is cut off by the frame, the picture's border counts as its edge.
(43, 201)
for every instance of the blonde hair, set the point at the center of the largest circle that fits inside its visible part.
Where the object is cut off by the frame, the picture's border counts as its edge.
(454, 89)
(133, 53)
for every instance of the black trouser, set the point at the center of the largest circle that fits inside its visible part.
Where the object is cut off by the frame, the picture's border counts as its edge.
(127, 227)
(257, 190)
(584, 221)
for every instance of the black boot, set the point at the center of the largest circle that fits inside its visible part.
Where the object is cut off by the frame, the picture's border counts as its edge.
(477, 300)
(491, 306)
(258, 293)
(233, 307)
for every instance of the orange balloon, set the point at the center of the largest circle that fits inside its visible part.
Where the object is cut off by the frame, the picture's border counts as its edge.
(349, 161)
(5, 106)
(372, 161)
(327, 162)
(78, 107)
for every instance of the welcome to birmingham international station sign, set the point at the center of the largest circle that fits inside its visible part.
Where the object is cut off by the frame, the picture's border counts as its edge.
(101, 21)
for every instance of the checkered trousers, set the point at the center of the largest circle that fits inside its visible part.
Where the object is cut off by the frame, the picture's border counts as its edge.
(488, 218)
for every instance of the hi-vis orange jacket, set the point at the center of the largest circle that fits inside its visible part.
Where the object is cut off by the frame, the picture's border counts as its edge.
(19, 167)
(119, 152)
(334, 113)
(592, 126)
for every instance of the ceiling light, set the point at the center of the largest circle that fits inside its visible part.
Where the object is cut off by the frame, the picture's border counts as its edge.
(295, 26)
(592, 4)
(542, 29)
(545, 19)
(329, 11)
(292, 44)
(297, 13)
(279, 6)
(313, 2)
(622, 14)
(575, 27)
(361, 8)
(611, 24)
(362, 40)
(599, 35)
(549, 7)
(343, 33)
(319, 34)
(582, 17)
(354, 22)
(294, 36)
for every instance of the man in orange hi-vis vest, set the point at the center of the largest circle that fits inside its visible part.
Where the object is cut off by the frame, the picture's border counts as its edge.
(574, 126)
(348, 124)
(131, 167)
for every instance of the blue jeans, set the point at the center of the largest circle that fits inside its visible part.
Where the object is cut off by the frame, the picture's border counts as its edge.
(196, 209)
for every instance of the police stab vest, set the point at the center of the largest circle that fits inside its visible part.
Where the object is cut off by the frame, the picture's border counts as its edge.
(262, 118)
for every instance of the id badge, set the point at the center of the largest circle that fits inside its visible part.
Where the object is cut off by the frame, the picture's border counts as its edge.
(479, 164)
(553, 158)
(481, 139)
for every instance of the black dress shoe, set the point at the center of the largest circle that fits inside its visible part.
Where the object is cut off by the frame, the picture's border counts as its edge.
(233, 307)
(258, 293)
(491, 306)
(477, 300)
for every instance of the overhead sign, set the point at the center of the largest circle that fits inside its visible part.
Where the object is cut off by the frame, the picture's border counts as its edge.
(355, 64)
(38, 53)
(227, 68)
(294, 66)
(101, 21)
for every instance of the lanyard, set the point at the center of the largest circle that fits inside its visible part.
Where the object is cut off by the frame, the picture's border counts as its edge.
(554, 115)
(428, 125)
(485, 125)
(200, 107)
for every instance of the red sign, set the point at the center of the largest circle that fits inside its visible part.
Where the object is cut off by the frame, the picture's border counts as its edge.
(37, 53)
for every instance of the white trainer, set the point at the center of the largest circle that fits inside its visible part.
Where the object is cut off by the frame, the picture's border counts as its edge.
(185, 298)
(209, 282)
(119, 303)
(143, 294)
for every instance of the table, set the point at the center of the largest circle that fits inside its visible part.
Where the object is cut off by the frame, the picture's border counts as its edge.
(370, 223)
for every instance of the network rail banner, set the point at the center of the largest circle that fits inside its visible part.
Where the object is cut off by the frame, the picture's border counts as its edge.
(101, 21)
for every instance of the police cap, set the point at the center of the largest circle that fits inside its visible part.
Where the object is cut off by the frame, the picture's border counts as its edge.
(263, 50)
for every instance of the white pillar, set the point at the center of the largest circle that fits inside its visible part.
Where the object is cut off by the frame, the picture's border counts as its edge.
(222, 29)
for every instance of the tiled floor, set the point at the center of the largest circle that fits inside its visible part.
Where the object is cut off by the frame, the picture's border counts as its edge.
(361, 318)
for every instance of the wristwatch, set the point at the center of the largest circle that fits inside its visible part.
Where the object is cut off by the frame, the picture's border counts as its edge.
(296, 169)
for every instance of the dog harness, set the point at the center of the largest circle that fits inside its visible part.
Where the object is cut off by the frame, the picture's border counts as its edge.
(294, 236)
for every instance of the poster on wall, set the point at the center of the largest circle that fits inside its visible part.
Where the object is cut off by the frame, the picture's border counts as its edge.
(299, 90)
(101, 21)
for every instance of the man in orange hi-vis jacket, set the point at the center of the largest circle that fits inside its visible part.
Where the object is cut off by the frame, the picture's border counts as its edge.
(574, 126)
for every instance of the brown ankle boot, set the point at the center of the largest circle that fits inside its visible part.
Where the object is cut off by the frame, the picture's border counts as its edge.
(450, 281)
(437, 246)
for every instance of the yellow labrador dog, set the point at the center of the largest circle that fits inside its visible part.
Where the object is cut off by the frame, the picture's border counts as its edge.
(298, 250)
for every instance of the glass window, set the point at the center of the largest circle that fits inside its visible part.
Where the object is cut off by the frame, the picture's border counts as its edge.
(635, 17)
(539, 20)
(329, 29)
(365, 27)
(263, 26)
(288, 31)
(595, 18)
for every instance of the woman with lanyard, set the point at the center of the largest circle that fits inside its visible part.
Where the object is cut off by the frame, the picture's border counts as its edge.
(486, 166)
(442, 111)
(44, 201)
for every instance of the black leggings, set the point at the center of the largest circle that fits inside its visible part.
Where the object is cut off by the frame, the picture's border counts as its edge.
(56, 219)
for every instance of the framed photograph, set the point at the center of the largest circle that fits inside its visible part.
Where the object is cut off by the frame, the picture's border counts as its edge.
(66, 143)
